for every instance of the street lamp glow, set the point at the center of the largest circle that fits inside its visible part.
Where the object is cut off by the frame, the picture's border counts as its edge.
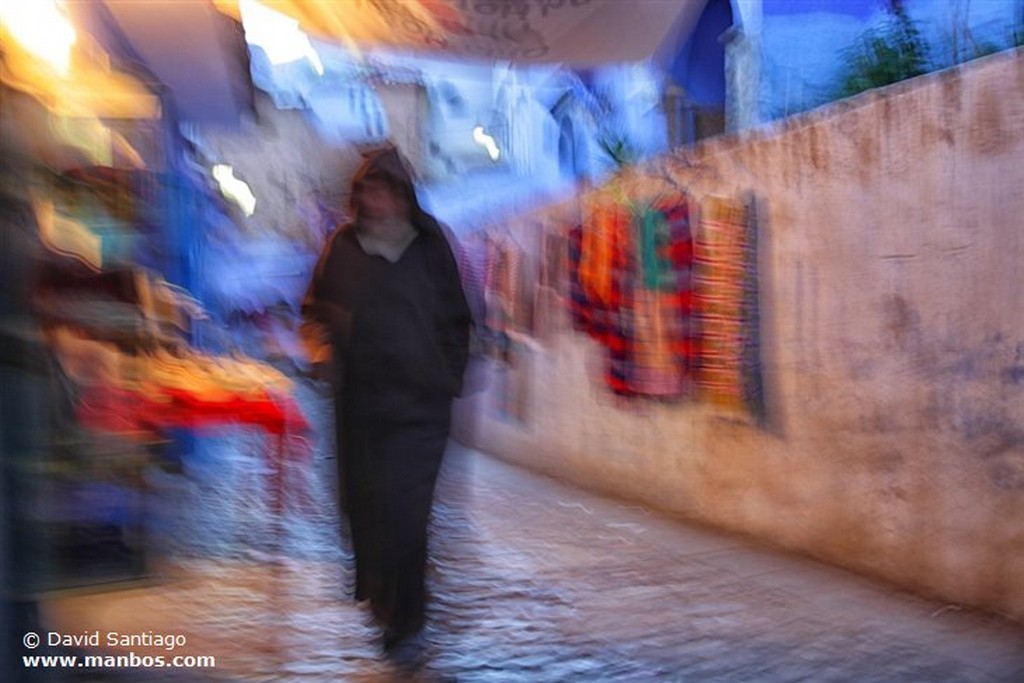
(42, 28)
(235, 189)
(482, 138)
(278, 34)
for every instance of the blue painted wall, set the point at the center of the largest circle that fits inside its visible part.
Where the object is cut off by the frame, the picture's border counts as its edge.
(700, 66)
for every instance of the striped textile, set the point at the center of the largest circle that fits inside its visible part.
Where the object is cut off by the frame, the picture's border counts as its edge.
(664, 348)
(726, 293)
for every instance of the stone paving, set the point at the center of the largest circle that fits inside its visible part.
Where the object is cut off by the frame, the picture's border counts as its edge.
(533, 580)
(584, 588)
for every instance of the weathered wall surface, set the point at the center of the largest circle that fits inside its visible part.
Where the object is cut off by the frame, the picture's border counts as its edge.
(287, 166)
(407, 109)
(892, 254)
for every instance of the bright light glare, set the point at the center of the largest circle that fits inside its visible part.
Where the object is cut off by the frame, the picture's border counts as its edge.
(235, 189)
(278, 34)
(42, 28)
(481, 138)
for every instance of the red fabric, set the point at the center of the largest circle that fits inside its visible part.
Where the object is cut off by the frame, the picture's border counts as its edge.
(610, 317)
(109, 409)
(130, 413)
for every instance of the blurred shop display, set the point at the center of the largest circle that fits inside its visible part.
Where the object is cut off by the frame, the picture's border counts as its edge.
(94, 157)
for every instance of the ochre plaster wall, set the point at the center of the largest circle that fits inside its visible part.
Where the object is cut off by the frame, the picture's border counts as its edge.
(892, 259)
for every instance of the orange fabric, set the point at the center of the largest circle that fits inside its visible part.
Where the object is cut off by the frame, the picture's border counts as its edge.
(601, 239)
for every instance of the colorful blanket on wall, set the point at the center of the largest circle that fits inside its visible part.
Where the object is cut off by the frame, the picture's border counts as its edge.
(675, 305)
(631, 290)
(727, 300)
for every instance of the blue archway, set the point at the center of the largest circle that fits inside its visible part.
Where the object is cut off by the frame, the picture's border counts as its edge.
(699, 67)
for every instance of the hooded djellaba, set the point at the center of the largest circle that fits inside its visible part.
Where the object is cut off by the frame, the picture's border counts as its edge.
(387, 293)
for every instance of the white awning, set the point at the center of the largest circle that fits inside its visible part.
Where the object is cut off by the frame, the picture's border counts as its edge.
(575, 32)
(198, 52)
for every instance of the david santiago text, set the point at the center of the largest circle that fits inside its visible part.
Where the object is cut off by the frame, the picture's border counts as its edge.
(165, 641)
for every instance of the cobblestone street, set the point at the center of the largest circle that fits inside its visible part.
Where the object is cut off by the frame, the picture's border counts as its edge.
(627, 341)
(533, 581)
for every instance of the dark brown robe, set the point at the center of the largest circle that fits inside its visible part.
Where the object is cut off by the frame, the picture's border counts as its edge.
(400, 334)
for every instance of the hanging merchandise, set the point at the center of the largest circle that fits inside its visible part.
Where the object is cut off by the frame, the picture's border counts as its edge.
(510, 316)
(599, 282)
(603, 252)
(502, 293)
(603, 318)
(727, 298)
(549, 294)
(663, 320)
(631, 290)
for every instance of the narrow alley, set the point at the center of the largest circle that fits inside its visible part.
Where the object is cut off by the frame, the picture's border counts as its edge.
(534, 580)
(690, 330)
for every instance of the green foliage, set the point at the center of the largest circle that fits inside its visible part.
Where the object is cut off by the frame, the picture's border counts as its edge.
(889, 54)
(619, 148)
(1017, 34)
